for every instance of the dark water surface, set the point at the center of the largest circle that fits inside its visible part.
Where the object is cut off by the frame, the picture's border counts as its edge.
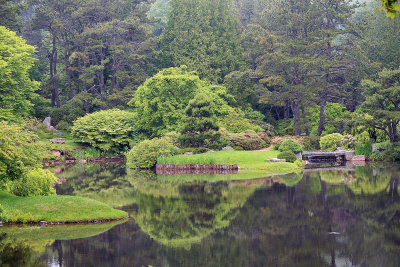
(325, 218)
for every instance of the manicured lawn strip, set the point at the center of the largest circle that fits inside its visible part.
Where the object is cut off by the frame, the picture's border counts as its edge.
(56, 209)
(245, 160)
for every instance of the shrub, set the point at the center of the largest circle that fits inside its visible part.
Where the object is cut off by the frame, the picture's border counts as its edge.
(290, 145)
(37, 182)
(349, 141)
(109, 130)
(64, 126)
(3, 215)
(311, 143)
(265, 137)
(300, 163)
(331, 142)
(276, 142)
(144, 155)
(247, 141)
(376, 156)
(392, 153)
(289, 156)
(364, 149)
(19, 151)
(384, 146)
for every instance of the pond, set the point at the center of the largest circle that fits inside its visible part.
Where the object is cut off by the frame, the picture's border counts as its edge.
(341, 217)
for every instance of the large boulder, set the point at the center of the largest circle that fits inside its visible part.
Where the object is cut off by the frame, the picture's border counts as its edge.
(47, 121)
(277, 160)
(359, 159)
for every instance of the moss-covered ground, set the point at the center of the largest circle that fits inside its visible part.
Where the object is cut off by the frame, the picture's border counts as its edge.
(56, 209)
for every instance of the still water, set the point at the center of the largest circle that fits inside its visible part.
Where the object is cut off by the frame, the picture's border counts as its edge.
(316, 218)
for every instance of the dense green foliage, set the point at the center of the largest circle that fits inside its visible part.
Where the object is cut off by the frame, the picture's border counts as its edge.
(37, 182)
(290, 145)
(16, 87)
(161, 102)
(19, 151)
(311, 143)
(3, 215)
(110, 131)
(200, 128)
(246, 141)
(204, 35)
(144, 155)
(287, 155)
(382, 103)
(331, 142)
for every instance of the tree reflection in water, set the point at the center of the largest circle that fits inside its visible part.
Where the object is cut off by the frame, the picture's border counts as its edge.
(326, 218)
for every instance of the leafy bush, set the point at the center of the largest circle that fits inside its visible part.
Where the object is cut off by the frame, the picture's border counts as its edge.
(364, 149)
(311, 143)
(276, 142)
(19, 151)
(247, 141)
(144, 155)
(37, 182)
(289, 156)
(64, 126)
(392, 153)
(109, 130)
(265, 137)
(300, 163)
(290, 145)
(376, 156)
(384, 146)
(331, 142)
(349, 141)
(3, 215)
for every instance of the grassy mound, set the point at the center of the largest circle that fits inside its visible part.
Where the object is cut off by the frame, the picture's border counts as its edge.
(56, 209)
(257, 160)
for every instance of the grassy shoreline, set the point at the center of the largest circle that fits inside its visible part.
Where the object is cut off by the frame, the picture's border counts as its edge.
(56, 209)
(249, 160)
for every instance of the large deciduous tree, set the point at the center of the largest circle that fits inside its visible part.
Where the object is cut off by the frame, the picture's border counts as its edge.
(16, 87)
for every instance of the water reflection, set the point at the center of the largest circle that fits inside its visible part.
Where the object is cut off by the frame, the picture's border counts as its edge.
(324, 218)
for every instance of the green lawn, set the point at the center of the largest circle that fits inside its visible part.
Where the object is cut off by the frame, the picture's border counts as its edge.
(56, 209)
(257, 160)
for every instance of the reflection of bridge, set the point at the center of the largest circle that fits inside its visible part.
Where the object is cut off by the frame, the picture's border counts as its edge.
(338, 158)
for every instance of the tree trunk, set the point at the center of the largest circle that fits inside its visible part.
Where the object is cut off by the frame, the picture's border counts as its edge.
(296, 116)
(322, 113)
(287, 110)
(55, 99)
(101, 75)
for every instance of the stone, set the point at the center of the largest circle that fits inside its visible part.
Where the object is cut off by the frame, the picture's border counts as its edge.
(374, 148)
(83, 161)
(349, 155)
(277, 160)
(58, 133)
(299, 155)
(51, 129)
(228, 148)
(359, 159)
(58, 140)
(56, 153)
(47, 121)
(211, 151)
(188, 153)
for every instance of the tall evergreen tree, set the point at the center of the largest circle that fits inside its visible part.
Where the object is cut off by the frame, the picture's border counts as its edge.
(204, 35)
(200, 128)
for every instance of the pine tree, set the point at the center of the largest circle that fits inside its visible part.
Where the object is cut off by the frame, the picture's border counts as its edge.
(200, 128)
(204, 35)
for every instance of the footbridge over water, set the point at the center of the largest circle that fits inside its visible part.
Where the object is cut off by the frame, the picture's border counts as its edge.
(337, 158)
